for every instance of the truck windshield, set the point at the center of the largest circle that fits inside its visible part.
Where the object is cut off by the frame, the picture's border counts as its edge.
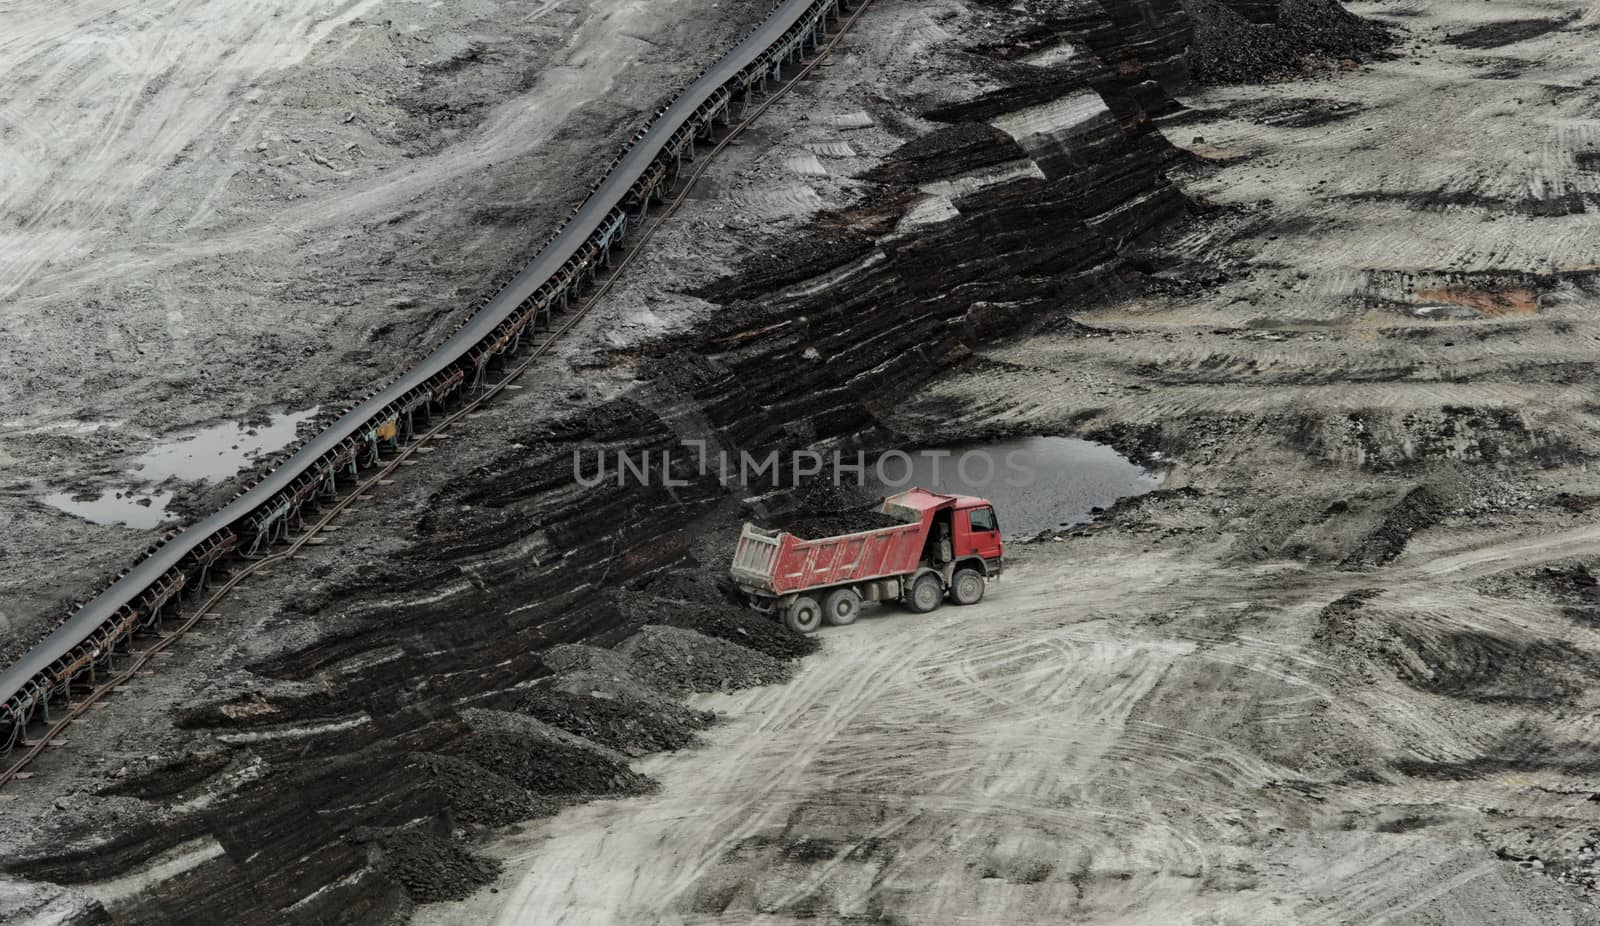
(982, 519)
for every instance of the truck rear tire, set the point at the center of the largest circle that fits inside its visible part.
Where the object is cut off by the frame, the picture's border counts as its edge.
(803, 615)
(926, 594)
(966, 586)
(841, 607)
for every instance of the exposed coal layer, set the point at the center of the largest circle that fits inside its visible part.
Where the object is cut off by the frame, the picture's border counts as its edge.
(349, 706)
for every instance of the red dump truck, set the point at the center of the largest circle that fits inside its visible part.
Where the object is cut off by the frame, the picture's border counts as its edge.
(947, 544)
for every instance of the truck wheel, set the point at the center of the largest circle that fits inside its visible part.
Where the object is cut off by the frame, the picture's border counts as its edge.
(926, 594)
(841, 607)
(966, 586)
(803, 615)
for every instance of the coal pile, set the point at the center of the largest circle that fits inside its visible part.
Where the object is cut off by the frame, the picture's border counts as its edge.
(682, 661)
(1230, 49)
(629, 727)
(599, 673)
(431, 868)
(699, 583)
(479, 796)
(734, 623)
(547, 767)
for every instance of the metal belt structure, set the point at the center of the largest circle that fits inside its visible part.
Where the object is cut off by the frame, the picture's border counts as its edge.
(266, 514)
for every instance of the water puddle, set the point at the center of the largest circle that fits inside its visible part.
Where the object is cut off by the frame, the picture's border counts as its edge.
(210, 454)
(218, 451)
(132, 508)
(1036, 483)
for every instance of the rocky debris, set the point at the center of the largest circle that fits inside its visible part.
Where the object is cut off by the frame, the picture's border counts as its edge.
(1579, 868)
(682, 661)
(629, 727)
(570, 659)
(1334, 617)
(431, 868)
(1575, 503)
(1572, 583)
(33, 903)
(1229, 48)
(734, 623)
(479, 796)
(1419, 509)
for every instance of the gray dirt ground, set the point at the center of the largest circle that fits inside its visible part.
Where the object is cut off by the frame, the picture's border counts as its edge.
(272, 205)
(1191, 714)
(1205, 711)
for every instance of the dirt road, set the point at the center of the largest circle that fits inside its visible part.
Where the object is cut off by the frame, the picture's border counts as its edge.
(1121, 738)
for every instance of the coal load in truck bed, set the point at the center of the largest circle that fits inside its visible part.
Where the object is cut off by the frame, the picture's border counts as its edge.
(819, 526)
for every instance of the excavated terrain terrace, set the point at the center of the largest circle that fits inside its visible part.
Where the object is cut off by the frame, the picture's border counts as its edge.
(1340, 668)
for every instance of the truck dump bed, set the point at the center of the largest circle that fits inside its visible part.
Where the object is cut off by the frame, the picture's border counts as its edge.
(778, 562)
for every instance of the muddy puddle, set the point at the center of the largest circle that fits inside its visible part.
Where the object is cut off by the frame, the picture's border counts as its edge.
(1036, 483)
(209, 454)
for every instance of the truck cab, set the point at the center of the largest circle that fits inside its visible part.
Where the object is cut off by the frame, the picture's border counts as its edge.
(961, 530)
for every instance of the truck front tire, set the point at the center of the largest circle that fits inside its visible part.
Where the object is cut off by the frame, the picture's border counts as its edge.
(926, 594)
(803, 615)
(966, 586)
(841, 607)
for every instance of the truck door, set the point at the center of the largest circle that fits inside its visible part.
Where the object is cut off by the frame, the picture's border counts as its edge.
(983, 532)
